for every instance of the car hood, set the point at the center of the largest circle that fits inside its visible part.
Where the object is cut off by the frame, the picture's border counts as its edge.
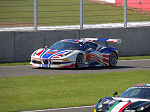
(116, 104)
(50, 53)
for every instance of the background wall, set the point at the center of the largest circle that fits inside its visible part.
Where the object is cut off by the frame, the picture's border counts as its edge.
(18, 46)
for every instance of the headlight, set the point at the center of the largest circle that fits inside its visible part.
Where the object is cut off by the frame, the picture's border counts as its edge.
(100, 106)
(140, 109)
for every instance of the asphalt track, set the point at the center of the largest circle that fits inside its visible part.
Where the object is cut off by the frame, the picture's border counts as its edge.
(26, 70)
(70, 109)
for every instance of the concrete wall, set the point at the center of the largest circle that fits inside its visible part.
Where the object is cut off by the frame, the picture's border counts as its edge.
(7, 46)
(18, 46)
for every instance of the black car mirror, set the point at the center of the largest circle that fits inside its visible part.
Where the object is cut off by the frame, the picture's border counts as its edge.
(115, 93)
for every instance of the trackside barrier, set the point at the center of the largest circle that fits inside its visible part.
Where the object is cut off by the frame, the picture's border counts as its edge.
(18, 46)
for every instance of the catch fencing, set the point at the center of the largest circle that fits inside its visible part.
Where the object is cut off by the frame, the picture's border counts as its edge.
(35, 13)
(16, 13)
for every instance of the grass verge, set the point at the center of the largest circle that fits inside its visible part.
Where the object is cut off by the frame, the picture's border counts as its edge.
(42, 92)
(14, 64)
(134, 57)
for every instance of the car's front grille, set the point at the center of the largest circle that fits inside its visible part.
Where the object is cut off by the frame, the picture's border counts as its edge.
(56, 63)
(36, 62)
(45, 61)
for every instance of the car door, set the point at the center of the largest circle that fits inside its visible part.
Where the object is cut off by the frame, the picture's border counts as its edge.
(90, 53)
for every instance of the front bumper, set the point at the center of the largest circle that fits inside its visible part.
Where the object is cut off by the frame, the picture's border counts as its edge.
(50, 63)
(100, 111)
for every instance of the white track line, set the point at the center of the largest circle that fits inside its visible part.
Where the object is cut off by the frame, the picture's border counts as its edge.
(60, 108)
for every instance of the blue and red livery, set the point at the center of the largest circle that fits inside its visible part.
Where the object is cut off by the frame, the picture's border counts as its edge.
(76, 53)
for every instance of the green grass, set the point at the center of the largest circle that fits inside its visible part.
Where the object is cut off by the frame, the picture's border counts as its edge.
(42, 92)
(54, 12)
(14, 64)
(134, 57)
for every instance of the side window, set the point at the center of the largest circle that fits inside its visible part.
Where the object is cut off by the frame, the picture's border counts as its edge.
(89, 45)
(93, 46)
(86, 46)
(135, 92)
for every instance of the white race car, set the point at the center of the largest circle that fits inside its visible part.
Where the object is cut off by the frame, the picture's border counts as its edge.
(74, 53)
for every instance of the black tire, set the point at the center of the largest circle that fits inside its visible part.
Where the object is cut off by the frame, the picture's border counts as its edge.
(113, 59)
(79, 61)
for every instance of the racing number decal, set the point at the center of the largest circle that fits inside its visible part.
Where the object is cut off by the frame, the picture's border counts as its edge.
(88, 57)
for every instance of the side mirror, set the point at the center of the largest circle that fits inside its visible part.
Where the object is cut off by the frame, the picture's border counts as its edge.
(46, 47)
(115, 93)
(90, 49)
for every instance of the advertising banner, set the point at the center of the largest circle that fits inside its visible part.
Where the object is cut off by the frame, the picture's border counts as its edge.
(139, 4)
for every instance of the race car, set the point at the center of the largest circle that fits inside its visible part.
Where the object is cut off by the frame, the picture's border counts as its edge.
(134, 99)
(76, 53)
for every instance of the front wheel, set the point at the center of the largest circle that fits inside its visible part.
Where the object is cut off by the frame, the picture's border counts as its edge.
(79, 61)
(113, 59)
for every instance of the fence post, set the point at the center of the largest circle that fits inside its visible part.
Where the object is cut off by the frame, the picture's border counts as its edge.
(81, 14)
(125, 13)
(35, 15)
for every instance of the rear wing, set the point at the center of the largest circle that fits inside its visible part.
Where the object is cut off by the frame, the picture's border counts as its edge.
(118, 41)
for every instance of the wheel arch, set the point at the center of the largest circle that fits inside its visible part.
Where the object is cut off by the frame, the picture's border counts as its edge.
(115, 53)
(113, 60)
(79, 54)
(76, 60)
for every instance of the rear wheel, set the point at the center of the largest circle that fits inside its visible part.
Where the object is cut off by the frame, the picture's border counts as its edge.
(79, 61)
(113, 59)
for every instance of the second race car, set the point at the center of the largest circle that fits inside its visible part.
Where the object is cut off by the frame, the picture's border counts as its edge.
(134, 99)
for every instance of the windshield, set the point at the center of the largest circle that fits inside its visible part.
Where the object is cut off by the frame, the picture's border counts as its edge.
(143, 93)
(66, 46)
